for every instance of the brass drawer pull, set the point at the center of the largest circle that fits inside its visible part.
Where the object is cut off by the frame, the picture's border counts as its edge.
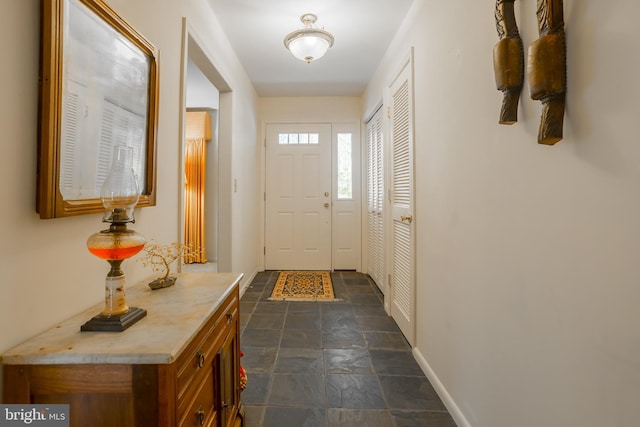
(225, 404)
(200, 416)
(229, 317)
(200, 358)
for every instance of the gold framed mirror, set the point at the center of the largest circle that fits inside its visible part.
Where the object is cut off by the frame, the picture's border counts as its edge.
(98, 88)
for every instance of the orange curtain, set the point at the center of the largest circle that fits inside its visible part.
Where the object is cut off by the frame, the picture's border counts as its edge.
(195, 173)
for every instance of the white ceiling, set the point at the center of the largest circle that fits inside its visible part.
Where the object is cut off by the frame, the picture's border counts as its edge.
(362, 29)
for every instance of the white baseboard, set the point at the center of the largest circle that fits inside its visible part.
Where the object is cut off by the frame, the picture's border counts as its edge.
(446, 398)
(246, 281)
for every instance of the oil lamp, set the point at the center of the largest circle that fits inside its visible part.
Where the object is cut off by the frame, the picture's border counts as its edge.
(119, 195)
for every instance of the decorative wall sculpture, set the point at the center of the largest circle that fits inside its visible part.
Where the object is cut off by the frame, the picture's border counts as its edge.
(508, 61)
(547, 70)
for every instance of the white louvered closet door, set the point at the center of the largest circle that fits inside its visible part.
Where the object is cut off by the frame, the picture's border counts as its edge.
(375, 200)
(402, 203)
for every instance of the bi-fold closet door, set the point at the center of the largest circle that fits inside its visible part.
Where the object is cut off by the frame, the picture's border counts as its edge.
(390, 200)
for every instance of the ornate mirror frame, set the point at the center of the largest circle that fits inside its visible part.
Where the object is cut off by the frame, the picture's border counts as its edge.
(98, 88)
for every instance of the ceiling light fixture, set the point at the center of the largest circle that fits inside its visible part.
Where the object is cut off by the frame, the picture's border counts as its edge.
(308, 43)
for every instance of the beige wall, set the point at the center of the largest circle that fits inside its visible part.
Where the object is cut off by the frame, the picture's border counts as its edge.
(325, 109)
(47, 272)
(528, 265)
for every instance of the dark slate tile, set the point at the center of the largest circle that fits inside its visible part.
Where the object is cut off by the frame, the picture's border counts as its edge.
(365, 299)
(244, 320)
(290, 417)
(353, 275)
(336, 278)
(271, 307)
(377, 323)
(332, 309)
(257, 389)
(251, 296)
(253, 416)
(343, 338)
(347, 361)
(266, 321)
(370, 309)
(356, 279)
(299, 360)
(260, 337)
(345, 298)
(302, 307)
(354, 391)
(360, 290)
(413, 393)
(358, 417)
(307, 390)
(258, 359)
(263, 276)
(339, 290)
(422, 418)
(386, 340)
(304, 321)
(301, 339)
(256, 287)
(392, 362)
(339, 321)
(247, 307)
(356, 368)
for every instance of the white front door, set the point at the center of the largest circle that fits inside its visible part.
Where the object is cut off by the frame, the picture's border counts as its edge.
(402, 203)
(298, 197)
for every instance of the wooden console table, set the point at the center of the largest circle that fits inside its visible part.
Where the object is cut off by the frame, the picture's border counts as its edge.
(178, 366)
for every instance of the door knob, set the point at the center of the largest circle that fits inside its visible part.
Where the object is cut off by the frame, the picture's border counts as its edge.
(407, 218)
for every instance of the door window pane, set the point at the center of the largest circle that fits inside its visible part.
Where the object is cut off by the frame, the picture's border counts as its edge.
(298, 138)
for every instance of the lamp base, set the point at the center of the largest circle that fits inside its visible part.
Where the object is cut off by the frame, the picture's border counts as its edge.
(117, 323)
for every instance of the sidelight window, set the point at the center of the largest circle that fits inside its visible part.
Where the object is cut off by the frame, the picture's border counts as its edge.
(345, 166)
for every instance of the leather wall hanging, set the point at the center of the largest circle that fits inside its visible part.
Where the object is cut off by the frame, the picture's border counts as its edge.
(546, 66)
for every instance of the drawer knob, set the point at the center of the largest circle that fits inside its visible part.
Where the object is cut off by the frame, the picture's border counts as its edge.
(200, 358)
(200, 416)
(229, 317)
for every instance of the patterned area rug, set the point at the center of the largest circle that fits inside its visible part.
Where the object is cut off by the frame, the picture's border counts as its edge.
(303, 286)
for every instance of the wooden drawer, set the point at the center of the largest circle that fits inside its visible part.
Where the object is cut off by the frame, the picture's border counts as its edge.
(198, 358)
(202, 410)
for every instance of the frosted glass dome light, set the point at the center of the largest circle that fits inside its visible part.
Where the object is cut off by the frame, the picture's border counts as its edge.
(308, 43)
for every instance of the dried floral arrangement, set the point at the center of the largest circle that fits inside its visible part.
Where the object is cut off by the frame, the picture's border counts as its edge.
(159, 257)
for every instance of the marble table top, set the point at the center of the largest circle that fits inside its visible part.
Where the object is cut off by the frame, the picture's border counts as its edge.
(174, 316)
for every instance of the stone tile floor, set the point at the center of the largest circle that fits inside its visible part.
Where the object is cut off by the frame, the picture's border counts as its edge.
(333, 364)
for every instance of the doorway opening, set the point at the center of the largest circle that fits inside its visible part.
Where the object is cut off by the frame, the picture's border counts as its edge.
(205, 208)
